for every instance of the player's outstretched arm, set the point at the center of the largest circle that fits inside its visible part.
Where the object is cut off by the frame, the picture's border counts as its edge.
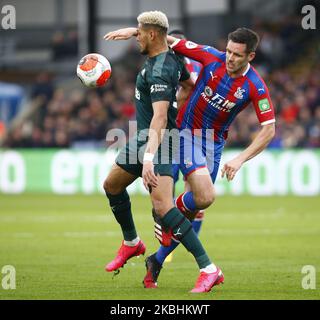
(259, 143)
(127, 33)
(171, 40)
(121, 34)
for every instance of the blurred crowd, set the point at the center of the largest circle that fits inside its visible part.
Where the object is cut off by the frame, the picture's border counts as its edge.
(64, 45)
(77, 118)
(81, 117)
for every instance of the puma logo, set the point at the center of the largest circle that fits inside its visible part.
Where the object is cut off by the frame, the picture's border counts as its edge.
(212, 75)
(178, 233)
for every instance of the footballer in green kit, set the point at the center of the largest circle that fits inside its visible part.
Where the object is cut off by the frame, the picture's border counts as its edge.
(156, 87)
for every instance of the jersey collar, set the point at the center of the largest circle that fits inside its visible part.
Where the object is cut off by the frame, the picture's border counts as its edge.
(247, 69)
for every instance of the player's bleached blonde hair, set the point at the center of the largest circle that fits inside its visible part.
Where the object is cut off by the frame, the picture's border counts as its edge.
(157, 18)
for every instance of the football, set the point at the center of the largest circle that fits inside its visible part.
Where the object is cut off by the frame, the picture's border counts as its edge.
(94, 70)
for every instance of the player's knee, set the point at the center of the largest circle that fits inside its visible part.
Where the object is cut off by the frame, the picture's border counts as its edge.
(110, 187)
(107, 186)
(161, 207)
(158, 208)
(204, 199)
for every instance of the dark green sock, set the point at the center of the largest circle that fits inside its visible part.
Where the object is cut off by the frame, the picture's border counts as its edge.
(121, 207)
(184, 232)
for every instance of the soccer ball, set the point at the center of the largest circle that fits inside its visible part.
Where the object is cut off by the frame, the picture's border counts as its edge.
(94, 70)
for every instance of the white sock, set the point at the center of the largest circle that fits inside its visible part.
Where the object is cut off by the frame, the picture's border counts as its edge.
(211, 268)
(132, 243)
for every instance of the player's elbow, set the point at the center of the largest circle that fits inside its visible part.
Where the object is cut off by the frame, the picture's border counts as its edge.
(272, 131)
(269, 132)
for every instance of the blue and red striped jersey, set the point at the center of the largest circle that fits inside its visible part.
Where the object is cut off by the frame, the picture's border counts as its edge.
(217, 98)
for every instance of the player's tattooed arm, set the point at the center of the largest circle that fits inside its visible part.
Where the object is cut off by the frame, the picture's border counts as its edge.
(121, 34)
(259, 143)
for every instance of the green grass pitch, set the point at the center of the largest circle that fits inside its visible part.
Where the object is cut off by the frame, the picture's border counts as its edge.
(59, 246)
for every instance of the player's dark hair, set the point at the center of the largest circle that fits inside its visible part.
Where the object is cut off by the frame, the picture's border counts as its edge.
(246, 36)
(176, 31)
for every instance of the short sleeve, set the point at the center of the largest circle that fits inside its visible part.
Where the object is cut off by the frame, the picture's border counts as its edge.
(262, 104)
(161, 88)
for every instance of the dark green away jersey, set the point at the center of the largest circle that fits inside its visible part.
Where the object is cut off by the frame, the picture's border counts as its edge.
(158, 81)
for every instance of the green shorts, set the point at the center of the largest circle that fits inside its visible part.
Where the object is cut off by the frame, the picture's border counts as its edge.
(131, 156)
